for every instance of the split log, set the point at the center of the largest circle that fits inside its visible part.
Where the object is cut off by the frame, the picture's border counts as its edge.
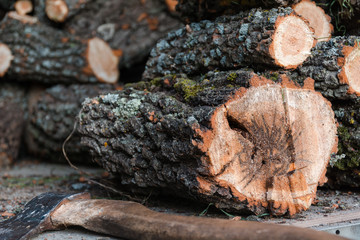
(43, 54)
(196, 10)
(334, 66)
(277, 38)
(23, 7)
(262, 149)
(52, 114)
(12, 112)
(133, 29)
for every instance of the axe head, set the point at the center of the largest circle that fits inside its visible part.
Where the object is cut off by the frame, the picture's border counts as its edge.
(35, 217)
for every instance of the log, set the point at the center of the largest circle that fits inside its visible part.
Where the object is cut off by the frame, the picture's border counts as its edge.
(277, 38)
(196, 10)
(133, 29)
(23, 7)
(56, 12)
(334, 66)
(43, 54)
(12, 112)
(264, 148)
(52, 113)
(60, 10)
(317, 19)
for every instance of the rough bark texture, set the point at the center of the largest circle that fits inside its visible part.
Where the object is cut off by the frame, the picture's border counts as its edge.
(131, 27)
(255, 38)
(345, 165)
(202, 148)
(52, 114)
(334, 66)
(196, 10)
(12, 112)
(44, 54)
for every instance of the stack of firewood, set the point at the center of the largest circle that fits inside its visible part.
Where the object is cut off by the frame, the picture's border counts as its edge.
(56, 53)
(243, 107)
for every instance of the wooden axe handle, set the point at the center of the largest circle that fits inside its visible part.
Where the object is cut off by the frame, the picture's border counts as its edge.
(132, 220)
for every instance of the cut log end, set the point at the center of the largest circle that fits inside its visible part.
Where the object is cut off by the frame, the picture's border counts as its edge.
(5, 59)
(23, 7)
(292, 41)
(317, 19)
(56, 10)
(171, 4)
(102, 61)
(351, 70)
(271, 145)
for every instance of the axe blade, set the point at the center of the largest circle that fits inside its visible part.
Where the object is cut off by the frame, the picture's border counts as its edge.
(35, 217)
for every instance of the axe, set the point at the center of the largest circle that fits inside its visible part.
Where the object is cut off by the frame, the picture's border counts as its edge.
(131, 220)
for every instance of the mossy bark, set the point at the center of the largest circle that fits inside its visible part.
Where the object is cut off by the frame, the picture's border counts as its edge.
(131, 27)
(345, 165)
(13, 114)
(161, 139)
(52, 115)
(44, 54)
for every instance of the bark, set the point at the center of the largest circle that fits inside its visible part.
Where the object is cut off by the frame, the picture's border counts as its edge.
(44, 54)
(345, 165)
(256, 39)
(131, 27)
(52, 114)
(240, 148)
(334, 66)
(196, 10)
(12, 112)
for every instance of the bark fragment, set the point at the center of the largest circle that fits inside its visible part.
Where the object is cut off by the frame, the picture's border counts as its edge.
(52, 114)
(44, 54)
(237, 154)
(277, 38)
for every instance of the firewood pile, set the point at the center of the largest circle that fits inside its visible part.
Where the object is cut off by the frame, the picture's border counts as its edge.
(244, 104)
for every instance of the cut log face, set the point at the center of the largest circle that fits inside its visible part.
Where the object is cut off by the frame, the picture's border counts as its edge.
(351, 69)
(317, 18)
(23, 7)
(102, 61)
(293, 40)
(56, 10)
(259, 146)
(5, 58)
